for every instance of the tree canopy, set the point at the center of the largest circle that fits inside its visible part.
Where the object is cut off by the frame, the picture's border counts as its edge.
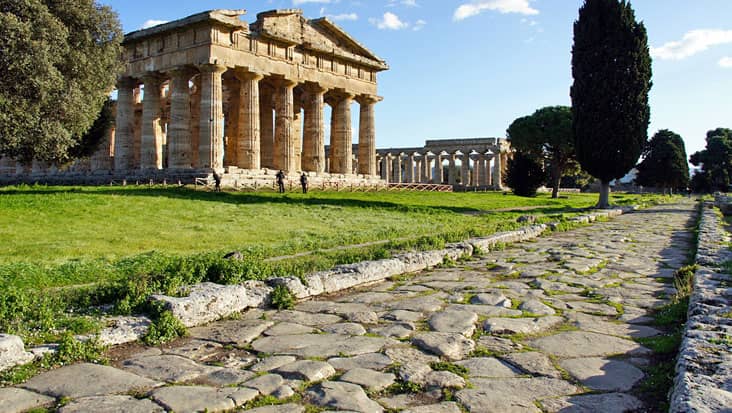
(664, 164)
(524, 175)
(59, 62)
(715, 160)
(546, 134)
(611, 66)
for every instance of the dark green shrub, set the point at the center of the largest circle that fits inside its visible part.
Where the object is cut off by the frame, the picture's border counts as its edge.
(524, 175)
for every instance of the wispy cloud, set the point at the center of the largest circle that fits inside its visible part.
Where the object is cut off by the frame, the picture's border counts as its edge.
(419, 25)
(150, 23)
(343, 16)
(502, 6)
(389, 21)
(408, 3)
(300, 2)
(693, 42)
(726, 62)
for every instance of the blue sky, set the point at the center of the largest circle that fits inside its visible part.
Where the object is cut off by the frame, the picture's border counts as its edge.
(468, 68)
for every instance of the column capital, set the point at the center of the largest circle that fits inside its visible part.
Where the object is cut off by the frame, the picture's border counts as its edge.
(181, 71)
(211, 68)
(337, 95)
(368, 99)
(314, 88)
(126, 82)
(245, 74)
(284, 83)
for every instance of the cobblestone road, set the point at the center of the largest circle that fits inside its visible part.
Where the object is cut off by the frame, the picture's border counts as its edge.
(540, 326)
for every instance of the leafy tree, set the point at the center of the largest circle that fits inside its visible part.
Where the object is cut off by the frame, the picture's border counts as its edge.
(700, 182)
(664, 164)
(524, 174)
(715, 160)
(546, 134)
(59, 61)
(611, 67)
(99, 130)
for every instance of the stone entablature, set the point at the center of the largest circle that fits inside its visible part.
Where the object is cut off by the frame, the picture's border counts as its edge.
(467, 162)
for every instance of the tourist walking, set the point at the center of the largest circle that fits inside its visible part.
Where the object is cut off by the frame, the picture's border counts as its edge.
(280, 181)
(217, 182)
(304, 183)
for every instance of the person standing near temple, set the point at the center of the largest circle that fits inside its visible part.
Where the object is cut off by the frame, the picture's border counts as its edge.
(304, 183)
(280, 181)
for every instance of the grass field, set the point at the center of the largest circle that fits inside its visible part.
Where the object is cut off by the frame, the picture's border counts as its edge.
(66, 250)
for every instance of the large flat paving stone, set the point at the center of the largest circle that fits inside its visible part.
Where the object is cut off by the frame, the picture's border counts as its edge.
(239, 332)
(373, 361)
(603, 374)
(462, 322)
(83, 380)
(112, 404)
(586, 344)
(532, 325)
(426, 304)
(280, 408)
(591, 403)
(194, 399)
(309, 370)
(450, 345)
(342, 396)
(319, 345)
(487, 367)
(308, 319)
(370, 379)
(534, 363)
(445, 407)
(14, 400)
(169, 368)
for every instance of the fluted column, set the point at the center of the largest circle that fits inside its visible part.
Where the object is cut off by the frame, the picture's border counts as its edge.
(486, 177)
(210, 145)
(151, 145)
(124, 123)
(266, 124)
(409, 169)
(367, 135)
(248, 148)
(386, 168)
(439, 175)
(284, 150)
(231, 103)
(452, 171)
(179, 128)
(465, 173)
(426, 169)
(497, 172)
(313, 145)
(477, 171)
(341, 139)
(397, 169)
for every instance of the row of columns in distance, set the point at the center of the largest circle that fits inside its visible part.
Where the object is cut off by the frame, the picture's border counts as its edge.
(195, 134)
(474, 170)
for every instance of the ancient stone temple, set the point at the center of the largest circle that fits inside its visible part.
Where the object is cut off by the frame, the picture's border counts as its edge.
(211, 92)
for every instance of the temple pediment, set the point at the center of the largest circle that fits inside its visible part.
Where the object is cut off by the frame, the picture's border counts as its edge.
(321, 36)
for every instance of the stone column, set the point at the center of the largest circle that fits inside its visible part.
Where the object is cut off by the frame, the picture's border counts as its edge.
(451, 171)
(477, 170)
(418, 161)
(386, 168)
(465, 170)
(231, 103)
(398, 169)
(426, 169)
(297, 128)
(409, 169)
(367, 135)
(210, 145)
(124, 124)
(284, 150)
(266, 124)
(151, 145)
(179, 128)
(195, 120)
(497, 172)
(439, 175)
(341, 139)
(313, 146)
(248, 148)
(486, 177)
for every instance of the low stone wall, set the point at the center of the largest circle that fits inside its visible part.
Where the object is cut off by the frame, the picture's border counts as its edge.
(703, 381)
(208, 302)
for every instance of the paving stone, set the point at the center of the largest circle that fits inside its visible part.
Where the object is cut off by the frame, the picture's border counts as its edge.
(406, 401)
(592, 308)
(319, 345)
(19, 400)
(224, 377)
(408, 354)
(111, 404)
(600, 325)
(308, 319)
(373, 361)
(237, 332)
(498, 344)
(309, 370)
(450, 345)
(445, 407)
(395, 330)
(198, 350)
(521, 325)
(512, 394)
(12, 352)
(283, 392)
(271, 363)
(280, 408)
(169, 368)
(485, 310)
(534, 363)
(370, 379)
(461, 322)
(428, 304)
(403, 316)
(442, 380)
(487, 367)
(348, 329)
(547, 285)
(496, 299)
(84, 379)
(591, 403)
(586, 344)
(536, 307)
(342, 396)
(603, 374)
(266, 384)
(286, 329)
(183, 399)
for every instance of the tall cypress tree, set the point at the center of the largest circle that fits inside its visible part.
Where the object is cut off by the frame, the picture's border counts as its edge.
(611, 67)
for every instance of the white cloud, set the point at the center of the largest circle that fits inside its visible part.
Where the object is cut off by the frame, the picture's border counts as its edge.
(726, 62)
(502, 6)
(389, 21)
(693, 42)
(341, 17)
(150, 23)
(419, 25)
(299, 2)
(408, 3)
